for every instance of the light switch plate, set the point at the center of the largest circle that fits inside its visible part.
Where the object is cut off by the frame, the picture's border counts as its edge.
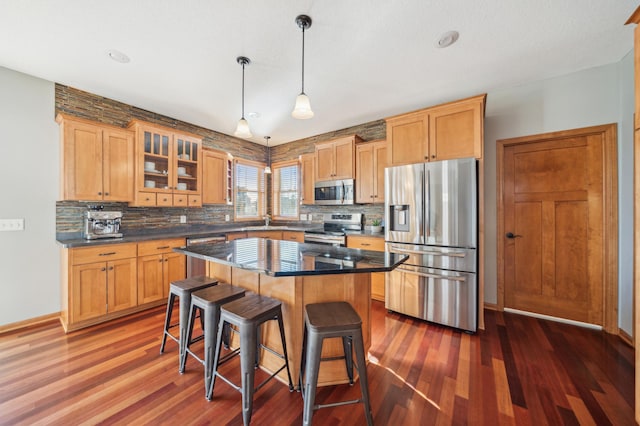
(183, 218)
(11, 224)
(226, 218)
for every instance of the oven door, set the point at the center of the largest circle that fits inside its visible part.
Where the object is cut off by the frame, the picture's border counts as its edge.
(331, 240)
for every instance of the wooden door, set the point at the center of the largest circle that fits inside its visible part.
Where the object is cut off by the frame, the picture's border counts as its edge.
(344, 162)
(150, 280)
(379, 164)
(118, 159)
(174, 269)
(364, 174)
(214, 177)
(407, 136)
(88, 291)
(557, 234)
(324, 162)
(121, 284)
(455, 130)
(82, 161)
(307, 176)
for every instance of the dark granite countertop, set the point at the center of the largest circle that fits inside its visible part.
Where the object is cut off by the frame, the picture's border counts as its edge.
(288, 258)
(74, 240)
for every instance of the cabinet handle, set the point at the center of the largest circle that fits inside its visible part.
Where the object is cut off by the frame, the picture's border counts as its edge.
(107, 254)
(147, 199)
(166, 260)
(99, 193)
(106, 193)
(111, 268)
(375, 196)
(103, 269)
(365, 244)
(160, 260)
(163, 247)
(433, 156)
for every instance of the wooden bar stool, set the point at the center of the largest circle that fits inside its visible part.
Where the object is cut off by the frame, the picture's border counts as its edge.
(209, 301)
(326, 320)
(248, 314)
(182, 289)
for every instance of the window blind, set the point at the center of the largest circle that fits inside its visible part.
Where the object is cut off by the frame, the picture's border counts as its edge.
(285, 188)
(249, 190)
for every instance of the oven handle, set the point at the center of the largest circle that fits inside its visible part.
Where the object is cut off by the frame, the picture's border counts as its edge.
(436, 276)
(432, 253)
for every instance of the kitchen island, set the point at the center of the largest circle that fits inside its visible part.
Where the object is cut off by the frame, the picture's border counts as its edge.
(298, 274)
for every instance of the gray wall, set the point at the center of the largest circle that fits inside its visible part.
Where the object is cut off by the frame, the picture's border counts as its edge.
(29, 170)
(587, 98)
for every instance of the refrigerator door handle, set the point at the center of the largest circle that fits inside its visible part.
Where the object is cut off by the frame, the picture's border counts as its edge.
(436, 276)
(427, 204)
(432, 253)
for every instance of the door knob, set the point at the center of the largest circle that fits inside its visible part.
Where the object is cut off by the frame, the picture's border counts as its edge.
(512, 235)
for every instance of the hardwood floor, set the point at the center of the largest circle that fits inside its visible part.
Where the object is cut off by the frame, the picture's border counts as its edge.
(520, 371)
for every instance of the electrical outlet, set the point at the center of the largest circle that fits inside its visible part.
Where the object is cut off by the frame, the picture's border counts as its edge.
(303, 216)
(183, 218)
(11, 224)
(227, 218)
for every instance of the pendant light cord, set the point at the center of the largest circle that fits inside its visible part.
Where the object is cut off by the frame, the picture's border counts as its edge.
(303, 58)
(243, 90)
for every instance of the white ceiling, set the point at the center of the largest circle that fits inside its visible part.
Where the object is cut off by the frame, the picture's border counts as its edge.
(365, 60)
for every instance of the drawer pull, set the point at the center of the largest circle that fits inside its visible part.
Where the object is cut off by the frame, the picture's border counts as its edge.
(365, 244)
(163, 247)
(107, 254)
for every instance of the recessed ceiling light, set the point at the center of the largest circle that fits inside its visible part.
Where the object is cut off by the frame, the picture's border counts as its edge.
(447, 39)
(118, 56)
(254, 114)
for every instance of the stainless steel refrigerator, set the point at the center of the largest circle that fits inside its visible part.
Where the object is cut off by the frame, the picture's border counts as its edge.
(431, 214)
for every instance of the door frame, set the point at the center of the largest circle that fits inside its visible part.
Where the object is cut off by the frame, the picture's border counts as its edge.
(608, 132)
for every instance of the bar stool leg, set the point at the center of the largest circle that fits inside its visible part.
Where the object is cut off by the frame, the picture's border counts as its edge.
(189, 334)
(348, 357)
(362, 371)
(313, 351)
(284, 350)
(248, 336)
(185, 307)
(167, 321)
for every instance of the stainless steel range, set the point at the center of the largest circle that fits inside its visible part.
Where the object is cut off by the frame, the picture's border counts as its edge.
(102, 224)
(334, 227)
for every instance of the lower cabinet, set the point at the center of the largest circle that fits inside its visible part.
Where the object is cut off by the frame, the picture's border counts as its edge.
(158, 265)
(103, 282)
(375, 244)
(297, 236)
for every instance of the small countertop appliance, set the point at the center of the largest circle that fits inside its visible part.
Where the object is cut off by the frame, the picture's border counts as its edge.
(99, 223)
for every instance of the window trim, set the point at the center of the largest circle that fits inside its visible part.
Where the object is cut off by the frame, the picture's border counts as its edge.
(280, 165)
(262, 190)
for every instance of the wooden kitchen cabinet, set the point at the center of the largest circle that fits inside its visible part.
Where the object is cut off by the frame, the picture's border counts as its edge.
(371, 159)
(97, 161)
(168, 168)
(274, 235)
(443, 132)
(307, 177)
(217, 177)
(98, 283)
(297, 236)
(376, 244)
(158, 266)
(335, 159)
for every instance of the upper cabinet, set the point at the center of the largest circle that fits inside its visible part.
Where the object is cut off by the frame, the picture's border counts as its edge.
(335, 159)
(306, 166)
(371, 159)
(97, 161)
(168, 167)
(217, 177)
(444, 132)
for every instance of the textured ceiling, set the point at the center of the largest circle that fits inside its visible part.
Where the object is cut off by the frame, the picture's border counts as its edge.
(365, 60)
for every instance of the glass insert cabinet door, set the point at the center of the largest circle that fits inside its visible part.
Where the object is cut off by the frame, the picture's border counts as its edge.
(157, 163)
(187, 152)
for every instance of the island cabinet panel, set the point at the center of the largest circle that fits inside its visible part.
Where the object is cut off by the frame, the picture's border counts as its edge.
(370, 243)
(443, 132)
(97, 161)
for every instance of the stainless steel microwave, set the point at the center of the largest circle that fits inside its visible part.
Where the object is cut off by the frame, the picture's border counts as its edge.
(334, 192)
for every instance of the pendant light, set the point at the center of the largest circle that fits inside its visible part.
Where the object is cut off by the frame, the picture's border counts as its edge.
(302, 110)
(242, 130)
(267, 169)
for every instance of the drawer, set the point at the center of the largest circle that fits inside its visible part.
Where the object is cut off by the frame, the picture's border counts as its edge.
(146, 199)
(293, 236)
(103, 253)
(181, 200)
(365, 243)
(165, 200)
(159, 246)
(195, 201)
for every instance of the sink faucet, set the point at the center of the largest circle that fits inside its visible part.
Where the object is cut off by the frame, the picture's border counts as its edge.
(267, 218)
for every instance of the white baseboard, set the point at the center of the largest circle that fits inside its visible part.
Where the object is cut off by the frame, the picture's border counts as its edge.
(550, 318)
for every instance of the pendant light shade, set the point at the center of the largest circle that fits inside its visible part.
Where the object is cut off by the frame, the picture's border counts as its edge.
(302, 109)
(267, 169)
(242, 129)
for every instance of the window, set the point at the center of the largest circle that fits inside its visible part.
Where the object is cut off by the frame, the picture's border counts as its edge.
(249, 190)
(285, 187)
